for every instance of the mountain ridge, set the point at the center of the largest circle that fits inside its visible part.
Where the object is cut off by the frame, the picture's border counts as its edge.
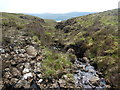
(61, 17)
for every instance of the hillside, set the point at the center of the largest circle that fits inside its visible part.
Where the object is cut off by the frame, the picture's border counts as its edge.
(96, 37)
(27, 57)
(81, 52)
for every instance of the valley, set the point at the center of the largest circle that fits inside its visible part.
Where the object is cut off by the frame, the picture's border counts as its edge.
(80, 52)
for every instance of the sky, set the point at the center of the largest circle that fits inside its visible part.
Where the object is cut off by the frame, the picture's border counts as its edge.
(56, 6)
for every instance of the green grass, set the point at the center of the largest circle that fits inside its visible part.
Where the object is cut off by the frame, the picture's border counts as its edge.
(55, 64)
(98, 33)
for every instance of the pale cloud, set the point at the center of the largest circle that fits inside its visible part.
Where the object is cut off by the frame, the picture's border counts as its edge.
(57, 6)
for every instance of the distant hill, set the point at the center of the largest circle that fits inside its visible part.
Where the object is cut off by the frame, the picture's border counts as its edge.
(61, 17)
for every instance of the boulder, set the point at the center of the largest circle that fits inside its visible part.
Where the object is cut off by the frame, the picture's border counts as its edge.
(22, 51)
(65, 77)
(40, 80)
(7, 69)
(15, 72)
(13, 63)
(108, 86)
(82, 67)
(13, 80)
(39, 75)
(62, 82)
(20, 67)
(27, 76)
(94, 80)
(85, 60)
(39, 58)
(31, 51)
(70, 50)
(27, 65)
(21, 55)
(22, 83)
(26, 70)
(7, 75)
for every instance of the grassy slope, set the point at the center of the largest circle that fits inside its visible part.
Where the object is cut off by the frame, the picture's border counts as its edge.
(97, 34)
(37, 30)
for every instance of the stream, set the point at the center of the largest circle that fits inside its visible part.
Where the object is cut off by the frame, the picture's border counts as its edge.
(87, 76)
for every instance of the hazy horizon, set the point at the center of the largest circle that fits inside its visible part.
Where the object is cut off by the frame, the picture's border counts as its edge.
(56, 6)
(60, 13)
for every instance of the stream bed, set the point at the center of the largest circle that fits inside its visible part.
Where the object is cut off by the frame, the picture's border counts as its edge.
(86, 76)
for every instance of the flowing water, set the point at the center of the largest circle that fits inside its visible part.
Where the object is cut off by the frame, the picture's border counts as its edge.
(87, 76)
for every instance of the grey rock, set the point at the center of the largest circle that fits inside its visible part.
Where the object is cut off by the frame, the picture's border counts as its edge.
(20, 67)
(7, 69)
(26, 70)
(13, 80)
(22, 51)
(39, 58)
(2, 50)
(33, 62)
(82, 67)
(27, 65)
(31, 51)
(7, 75)
(13, 63)
(23, 83)
(94, 80)
(39, 75)
(108, 86)
(37, 70)
(22, 56)
(70, 50)
(65, 77)
(40, 80)
(15, 72)
(62, 82)
(12, 53)
(85, 60)
(38, 64)
(27, 76)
